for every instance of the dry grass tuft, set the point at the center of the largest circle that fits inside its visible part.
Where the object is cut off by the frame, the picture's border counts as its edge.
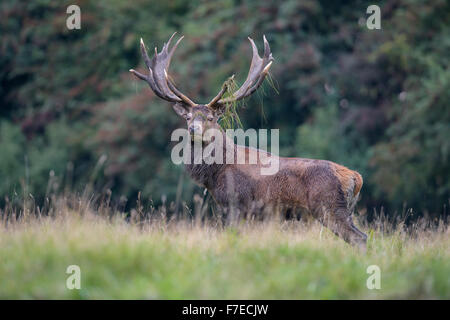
(156, 254)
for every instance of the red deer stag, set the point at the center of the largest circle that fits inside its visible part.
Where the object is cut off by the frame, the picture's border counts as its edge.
(327, 190)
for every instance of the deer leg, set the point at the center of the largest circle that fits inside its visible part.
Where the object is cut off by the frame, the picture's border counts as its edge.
(340, 222)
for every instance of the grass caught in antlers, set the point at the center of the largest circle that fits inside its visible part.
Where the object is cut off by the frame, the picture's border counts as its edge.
(230, 119)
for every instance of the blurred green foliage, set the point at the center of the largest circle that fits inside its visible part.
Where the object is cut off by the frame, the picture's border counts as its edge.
(373, 100)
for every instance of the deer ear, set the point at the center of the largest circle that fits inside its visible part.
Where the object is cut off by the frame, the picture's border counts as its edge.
(180, 109)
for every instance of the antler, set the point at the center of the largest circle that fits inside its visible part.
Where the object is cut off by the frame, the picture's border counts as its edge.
(158, 78)
(256, 75)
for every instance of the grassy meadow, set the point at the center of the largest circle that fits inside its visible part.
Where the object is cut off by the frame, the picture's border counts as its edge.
(185, 258)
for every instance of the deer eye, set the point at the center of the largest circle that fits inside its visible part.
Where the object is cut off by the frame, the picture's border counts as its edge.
(210, 118)
(189, 116)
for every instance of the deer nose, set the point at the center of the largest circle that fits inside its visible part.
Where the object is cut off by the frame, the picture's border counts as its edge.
(195, 128)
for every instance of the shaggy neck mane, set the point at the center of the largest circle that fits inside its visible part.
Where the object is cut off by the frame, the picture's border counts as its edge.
(203, 173)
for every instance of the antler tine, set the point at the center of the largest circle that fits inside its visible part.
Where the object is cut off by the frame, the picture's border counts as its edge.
(222, 91)
(145, 54)
(259, 68)
(176, 91)
(157, 78)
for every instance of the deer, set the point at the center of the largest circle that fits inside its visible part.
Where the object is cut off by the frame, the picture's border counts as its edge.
(327, 190)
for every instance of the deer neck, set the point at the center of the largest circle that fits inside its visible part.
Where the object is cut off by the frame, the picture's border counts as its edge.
(205, 173)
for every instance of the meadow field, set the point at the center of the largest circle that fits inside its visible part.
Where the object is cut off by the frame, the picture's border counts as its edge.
(190, 258)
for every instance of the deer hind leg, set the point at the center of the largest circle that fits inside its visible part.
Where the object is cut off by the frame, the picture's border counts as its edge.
(339, 221)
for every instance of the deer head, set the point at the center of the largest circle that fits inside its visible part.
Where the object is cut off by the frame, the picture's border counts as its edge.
(200, 117)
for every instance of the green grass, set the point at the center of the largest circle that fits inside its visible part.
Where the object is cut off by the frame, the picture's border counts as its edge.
(183, 260)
